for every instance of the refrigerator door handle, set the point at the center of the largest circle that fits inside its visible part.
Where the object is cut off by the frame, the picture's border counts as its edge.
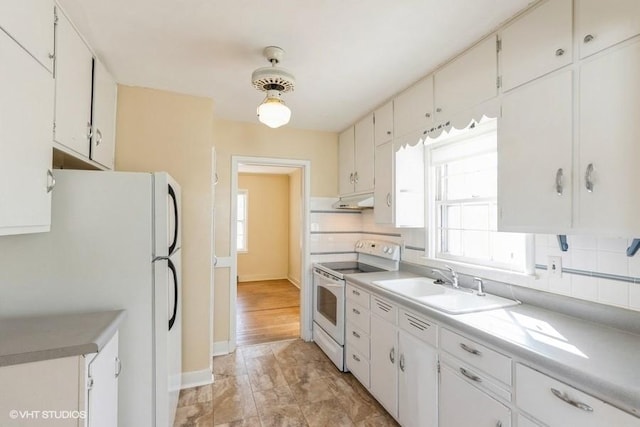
(172, 247)
(174, 273)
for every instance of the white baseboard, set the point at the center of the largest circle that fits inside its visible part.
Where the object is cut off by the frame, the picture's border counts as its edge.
(294, 282)
(196, 378)
(258, 277)
(220, 347)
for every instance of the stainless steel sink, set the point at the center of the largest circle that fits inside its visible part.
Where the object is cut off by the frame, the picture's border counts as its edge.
(444, 298)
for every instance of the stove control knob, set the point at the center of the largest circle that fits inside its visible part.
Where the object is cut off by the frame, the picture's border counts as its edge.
(385, 249)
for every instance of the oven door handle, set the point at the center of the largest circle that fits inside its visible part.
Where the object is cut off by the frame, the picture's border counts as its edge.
(329, 285)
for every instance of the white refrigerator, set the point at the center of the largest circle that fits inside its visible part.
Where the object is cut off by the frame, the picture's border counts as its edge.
(114, 244)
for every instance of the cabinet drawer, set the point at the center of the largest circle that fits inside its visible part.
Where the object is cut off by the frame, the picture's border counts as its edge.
(478, 378)
(358, 316)
(557, 404)
(526, 422)
(357, 295)
(477, 355)
(359, 366)
(358, 339)
(424, 329)
(384, 309)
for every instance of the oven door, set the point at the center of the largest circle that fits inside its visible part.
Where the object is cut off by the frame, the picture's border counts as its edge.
(328, 304)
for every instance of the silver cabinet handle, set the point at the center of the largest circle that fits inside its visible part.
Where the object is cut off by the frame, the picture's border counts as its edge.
(355, 177)
(588, 178)
(392, 355)
(499, 424)
(215, 260)
(356, 358)
(401, 362)
(388, 132)
(118, 367)
(355, 334)
(559, 186)
(471, 376)
(389, 199)
(588, 38)
(355, 292)
(438, 110)
(427, 115)
(559, 52)
(565, 398)
(470, 349)
(51, 181)
(351, 178)
(215, 178)
(355, 310)
(89, 131)
(99, 137)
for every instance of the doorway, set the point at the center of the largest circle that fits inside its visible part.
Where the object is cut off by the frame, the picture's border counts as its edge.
(269, 291)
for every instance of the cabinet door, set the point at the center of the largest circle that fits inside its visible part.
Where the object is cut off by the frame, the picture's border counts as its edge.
(462, 404)
(413, 108)
(384, 358)
(609, 142)
(467, 81)
(409, 181)
(383, 123)
(601, 24)
(26, 120)
(103, 139)
(537, 43)
(73, 72)
(535, 156)
(364, 153)
(102, 405)
(383, 192)
(346, 160)
(30, 23)
(417, 382)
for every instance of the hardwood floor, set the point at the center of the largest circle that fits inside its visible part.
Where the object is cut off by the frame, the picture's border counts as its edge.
(267, 311)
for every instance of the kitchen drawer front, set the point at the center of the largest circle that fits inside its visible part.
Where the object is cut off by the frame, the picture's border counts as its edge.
(526, 422)
(359, 366)
(557, 404)
(384, 309)
(478, 378)
(358, 340)
(358, 296)
(358, 316)
(418, 326)
(477, 355)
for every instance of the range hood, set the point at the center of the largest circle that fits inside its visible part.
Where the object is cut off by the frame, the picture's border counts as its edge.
(360, 201)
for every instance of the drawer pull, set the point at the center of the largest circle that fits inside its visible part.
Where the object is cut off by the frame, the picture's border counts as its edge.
(355, 334)
(470, 349)
(356, 358)
(356, 293)
(392, 355)
(355, 310)
(565, 398)
(471, 376)
(401, 362)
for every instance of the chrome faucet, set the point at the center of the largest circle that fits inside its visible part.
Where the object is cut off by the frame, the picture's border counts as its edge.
(454, 276)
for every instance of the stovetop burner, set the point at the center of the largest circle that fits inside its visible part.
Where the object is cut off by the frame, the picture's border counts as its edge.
(350, 267)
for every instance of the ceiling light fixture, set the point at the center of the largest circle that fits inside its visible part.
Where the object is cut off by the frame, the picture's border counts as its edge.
(274, 81)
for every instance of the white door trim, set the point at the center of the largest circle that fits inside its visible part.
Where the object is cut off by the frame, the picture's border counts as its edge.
(306, 288)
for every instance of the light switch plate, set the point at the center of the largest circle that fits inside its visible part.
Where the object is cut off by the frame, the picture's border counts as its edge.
(554, 266)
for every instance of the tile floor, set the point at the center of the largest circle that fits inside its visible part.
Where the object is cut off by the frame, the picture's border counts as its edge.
(286, 383)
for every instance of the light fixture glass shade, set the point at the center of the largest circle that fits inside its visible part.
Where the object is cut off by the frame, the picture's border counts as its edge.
(273, 112)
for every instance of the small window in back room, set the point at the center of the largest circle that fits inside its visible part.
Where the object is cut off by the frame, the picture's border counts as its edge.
(241, 228)
(464, 172)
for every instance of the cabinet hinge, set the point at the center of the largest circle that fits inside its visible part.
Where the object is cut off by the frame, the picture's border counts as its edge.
(89, 383)
(374, 119)
(498, 45)
(438, 366)
(498, 82)
(54, 130)
(55, 16)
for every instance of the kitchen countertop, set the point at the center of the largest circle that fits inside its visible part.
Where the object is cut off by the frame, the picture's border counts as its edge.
(36, 338)
(597, 359)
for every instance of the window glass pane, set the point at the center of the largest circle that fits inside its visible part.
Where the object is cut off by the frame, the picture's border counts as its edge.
(475, 217)
(453, 242)
(476, 244)
(452, 216)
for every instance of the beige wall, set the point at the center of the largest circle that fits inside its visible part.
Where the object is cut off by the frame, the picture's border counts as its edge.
(268, 227)
(295, 224)
(248, 139)
(162, 131)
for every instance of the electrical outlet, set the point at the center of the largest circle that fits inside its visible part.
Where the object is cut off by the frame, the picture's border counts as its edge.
(554, 266)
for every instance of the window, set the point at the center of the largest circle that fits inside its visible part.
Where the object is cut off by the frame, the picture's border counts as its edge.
(241, 228)
(464, 173)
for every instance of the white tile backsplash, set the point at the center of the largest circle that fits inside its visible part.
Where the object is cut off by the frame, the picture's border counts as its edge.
(560, 285)
(582, 242)
(634, 266)
(612, 245)
(584, 287)
(583, 259)
(612, 263)
(613, 292)
(634, 296)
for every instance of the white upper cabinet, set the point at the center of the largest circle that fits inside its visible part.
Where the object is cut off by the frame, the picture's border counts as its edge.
(73, 75)
(383, 192)
(103, 139)
(537, 43)
(467, 81)
(601, 24)
(364, 153)
(609, 142)
(30, 23)
(26, 118)
(413, 108)
(383, 123)
(346, 160)
(535, 156)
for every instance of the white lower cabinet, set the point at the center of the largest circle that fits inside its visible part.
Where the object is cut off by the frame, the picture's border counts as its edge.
(557, 404)
(463, 404)
(102, 390)
(384, 368)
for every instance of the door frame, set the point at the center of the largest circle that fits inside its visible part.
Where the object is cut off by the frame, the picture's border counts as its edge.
(305, 277)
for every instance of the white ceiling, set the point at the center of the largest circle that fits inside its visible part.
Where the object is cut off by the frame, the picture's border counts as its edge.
(348, 56)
